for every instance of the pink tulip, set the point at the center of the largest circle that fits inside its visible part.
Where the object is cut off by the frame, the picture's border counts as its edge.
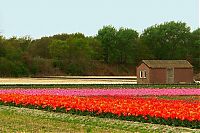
(112, 92)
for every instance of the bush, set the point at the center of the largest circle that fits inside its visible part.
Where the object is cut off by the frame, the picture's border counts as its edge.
(12, 69)
(74, 69)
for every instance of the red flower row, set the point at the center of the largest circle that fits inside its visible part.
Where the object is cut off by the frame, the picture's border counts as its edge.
(174, 109)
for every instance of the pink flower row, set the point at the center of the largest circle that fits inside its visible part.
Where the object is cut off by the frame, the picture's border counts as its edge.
(112, 92)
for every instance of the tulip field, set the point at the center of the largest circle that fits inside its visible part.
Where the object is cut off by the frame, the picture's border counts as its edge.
(168, 106)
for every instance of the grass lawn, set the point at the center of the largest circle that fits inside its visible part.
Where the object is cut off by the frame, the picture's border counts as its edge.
(13, 119)
(25, 86)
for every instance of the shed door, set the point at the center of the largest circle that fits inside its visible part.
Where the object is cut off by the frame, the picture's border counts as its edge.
(170, 75)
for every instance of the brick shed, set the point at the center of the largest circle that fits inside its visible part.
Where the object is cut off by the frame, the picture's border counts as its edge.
(164, 72)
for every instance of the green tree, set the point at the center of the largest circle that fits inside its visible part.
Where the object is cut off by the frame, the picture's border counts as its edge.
(195, 50)
(125, 44)
(107, 37)
(170, 40)
(24, 43)
(62, 37)
(95, 48)
(79, 56)
(2, 47)
(10, 68)
(12, 50)
(42, 66)
(72, 55)
(58, 49)
(39, 47)
(142, 52)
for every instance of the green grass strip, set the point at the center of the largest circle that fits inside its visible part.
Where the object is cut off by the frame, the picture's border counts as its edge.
(100, 86)
(15, 119)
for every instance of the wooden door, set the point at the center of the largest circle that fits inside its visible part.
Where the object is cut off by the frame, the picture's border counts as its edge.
(170, 75)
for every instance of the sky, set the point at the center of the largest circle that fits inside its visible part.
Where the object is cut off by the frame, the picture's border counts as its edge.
(37, 18)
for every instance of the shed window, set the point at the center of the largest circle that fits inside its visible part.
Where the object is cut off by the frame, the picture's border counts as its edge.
(143, 74)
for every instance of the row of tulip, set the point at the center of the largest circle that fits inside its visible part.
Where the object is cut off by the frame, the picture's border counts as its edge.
(112, 92)
(172, 112)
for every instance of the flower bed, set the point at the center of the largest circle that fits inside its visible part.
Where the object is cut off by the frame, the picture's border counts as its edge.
(113, 103)
(112, 92)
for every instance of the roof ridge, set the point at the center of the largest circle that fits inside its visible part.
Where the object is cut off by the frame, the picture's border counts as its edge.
(167, 63)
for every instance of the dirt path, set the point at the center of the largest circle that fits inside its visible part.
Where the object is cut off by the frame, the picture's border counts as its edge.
(72, 80)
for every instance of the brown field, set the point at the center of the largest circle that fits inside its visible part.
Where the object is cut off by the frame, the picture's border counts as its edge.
(72, 80)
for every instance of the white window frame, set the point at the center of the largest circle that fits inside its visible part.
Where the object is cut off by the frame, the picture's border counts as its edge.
(145, 74)
(141, 74)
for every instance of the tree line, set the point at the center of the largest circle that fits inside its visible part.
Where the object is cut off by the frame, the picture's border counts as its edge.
(111, 52)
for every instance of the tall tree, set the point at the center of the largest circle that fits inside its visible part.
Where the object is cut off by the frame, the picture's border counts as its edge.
(39, 47)
(95, 47)
(142, 52)
(24, 43)
(58, 49)
(79, 55)
(107, 36)
(2, 47)
(195, 50)
(170, 40)
(12, 49)
(126, 44)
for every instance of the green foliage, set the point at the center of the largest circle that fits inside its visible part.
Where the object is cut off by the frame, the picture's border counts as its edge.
(95, 48)
(118, 46)
(12, 50)
(39, 47)
(107, 36)
(12, 69)
(74, 69)
(2, 47)
(58, 49)
(126, 45)
(142, 52)
(78, 50)
(76, 54)
(195, 48)
(41, 66)
(170, 40)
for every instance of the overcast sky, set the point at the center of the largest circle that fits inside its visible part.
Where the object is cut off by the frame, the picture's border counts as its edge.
(38, 18)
